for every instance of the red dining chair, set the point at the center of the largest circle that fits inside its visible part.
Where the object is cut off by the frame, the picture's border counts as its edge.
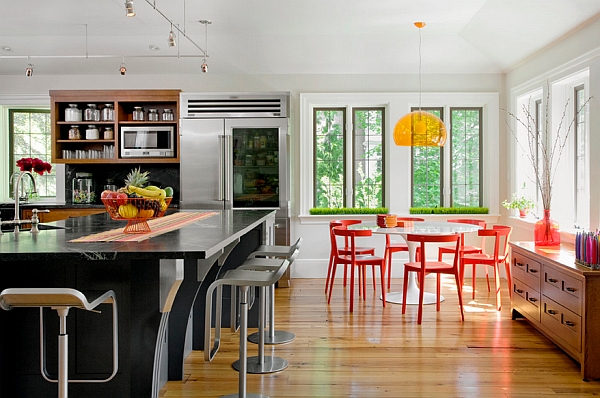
(423, 267)
(464, 249)
(354, 260)
(391, 248)
(344, 250)
(501, 236)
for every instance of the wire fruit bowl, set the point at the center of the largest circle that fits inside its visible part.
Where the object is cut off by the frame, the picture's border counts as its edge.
(136, 211)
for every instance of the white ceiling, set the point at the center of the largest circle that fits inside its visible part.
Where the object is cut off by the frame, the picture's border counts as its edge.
(284, 36)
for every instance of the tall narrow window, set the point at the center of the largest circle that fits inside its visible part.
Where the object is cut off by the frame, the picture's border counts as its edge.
(29, 137)
(368, 157)
(466, 156)
(349, 165)
(582, 197)
(330, 182)
(427, 171)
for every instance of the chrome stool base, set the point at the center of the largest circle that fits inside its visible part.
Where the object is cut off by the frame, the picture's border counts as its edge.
(280, 337)
(269, 365)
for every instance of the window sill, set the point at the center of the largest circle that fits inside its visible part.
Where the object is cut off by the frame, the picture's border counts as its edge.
(309, 219)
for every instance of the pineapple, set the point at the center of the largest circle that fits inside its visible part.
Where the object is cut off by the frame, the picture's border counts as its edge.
(136, 178)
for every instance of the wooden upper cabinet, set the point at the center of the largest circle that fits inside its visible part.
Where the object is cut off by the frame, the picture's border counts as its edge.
(82, 151)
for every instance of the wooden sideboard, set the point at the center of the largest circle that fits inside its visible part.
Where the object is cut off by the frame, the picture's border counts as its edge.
(560, 299)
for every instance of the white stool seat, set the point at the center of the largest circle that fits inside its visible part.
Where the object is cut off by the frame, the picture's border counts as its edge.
(61, 300)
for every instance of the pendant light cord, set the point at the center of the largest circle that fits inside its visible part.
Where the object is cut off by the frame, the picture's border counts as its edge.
(420, 69)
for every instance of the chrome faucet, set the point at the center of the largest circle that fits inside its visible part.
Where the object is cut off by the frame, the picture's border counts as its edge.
(17, 217)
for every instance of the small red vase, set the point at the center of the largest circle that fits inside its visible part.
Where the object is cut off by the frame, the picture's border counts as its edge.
(546, 231)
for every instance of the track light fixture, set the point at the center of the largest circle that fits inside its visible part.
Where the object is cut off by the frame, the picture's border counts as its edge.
(29, 70)
(204, 66)
(172, 37)
(129, 10)
(122, 68)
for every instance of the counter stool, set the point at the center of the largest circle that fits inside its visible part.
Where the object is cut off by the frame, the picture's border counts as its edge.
(61, 300)
(242, 279)
(273, 336)
(261, 364)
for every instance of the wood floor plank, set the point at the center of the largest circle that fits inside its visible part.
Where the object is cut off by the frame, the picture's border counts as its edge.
(378, 352)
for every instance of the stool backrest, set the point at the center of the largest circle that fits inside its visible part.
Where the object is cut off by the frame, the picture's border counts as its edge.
(472, 221)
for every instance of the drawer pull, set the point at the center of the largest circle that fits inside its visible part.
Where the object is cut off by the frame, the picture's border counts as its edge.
(552, 280)
(519, 291)
(570, 289)
(569, 323)
(532, 299)
(552, 312)
(518, 264)
(533, 271)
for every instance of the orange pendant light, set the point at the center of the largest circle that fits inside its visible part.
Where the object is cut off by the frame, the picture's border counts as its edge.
(420, 128)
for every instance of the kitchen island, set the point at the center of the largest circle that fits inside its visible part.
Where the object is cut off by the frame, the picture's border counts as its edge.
(155, 281)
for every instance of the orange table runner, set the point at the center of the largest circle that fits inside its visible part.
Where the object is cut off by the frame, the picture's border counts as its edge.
(158, 226)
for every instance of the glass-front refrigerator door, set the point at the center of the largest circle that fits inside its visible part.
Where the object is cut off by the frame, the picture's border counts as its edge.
(259, 162)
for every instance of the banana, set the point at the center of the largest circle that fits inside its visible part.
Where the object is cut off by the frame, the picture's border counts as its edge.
(152, 188)
(148, 193)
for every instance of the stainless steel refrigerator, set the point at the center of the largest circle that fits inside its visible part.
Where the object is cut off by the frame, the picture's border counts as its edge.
(234, 153)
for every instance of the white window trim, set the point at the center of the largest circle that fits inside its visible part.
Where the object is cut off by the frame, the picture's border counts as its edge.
(397, 167)
(24, 102)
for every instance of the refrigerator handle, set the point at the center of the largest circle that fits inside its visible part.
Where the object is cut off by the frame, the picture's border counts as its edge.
(222, 163)
(228, 165)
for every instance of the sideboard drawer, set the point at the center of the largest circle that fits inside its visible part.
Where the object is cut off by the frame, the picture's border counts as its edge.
(526, 270)
(527, 300)
(562, 288)
(562, 322)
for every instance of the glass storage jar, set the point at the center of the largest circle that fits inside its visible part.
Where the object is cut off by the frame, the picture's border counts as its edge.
(138, 113)
(74, 133)
(108, 133)
(167, 115)
(84, 188)
(92, 113)
(72, 113)
(108, 113)
(152, 115)
(92, 133)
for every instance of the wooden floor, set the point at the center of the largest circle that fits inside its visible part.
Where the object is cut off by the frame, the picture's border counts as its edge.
(378, 352)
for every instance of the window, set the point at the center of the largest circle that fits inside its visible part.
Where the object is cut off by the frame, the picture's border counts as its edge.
(465, 151)
(427, 170)
(465, 140)
(29, 136)
(582, 214)
(363, 146)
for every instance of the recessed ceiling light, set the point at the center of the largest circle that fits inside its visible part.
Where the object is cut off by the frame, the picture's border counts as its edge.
(154, 47)
(6, 48)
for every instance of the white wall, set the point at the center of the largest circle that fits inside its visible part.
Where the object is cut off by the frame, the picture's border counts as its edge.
(579, 51)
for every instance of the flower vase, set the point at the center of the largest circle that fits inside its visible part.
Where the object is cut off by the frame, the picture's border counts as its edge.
(546, 231)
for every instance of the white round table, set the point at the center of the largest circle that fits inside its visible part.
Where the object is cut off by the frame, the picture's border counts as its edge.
(424, 228)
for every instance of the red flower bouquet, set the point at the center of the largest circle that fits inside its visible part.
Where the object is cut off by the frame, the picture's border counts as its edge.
(35, 164)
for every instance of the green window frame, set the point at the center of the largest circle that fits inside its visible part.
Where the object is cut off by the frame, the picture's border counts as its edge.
(427, 171)
(467, 157)
(29, 136)
(363, 148)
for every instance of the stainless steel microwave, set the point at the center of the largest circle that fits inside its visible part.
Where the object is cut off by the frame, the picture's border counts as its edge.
(147, 141)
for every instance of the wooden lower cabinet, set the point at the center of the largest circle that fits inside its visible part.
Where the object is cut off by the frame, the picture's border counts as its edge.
(57, 214)
(559, 299)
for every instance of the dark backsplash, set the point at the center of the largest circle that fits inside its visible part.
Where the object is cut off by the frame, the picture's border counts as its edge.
(162, 175)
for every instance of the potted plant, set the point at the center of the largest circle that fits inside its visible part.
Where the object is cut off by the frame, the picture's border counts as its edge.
(522, 203)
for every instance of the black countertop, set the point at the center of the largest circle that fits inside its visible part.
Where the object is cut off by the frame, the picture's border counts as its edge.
(199, 240)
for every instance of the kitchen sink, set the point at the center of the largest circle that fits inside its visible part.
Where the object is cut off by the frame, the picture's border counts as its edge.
(27, 228)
